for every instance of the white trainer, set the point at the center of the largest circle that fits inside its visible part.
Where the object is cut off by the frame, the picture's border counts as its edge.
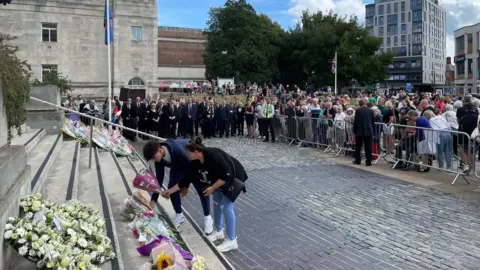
(179, 219)
(208, 224)
(214, 236)
(228, 245)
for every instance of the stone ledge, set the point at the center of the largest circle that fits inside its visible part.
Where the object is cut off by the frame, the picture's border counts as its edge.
(9, 207)
(51, 121)
(13, 160)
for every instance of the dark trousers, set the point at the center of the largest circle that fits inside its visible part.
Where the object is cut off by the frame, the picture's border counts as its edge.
(172, 128)
(181, 127)
(188, 127)
(261, 126)
(269, 128)
(366, 141)
(240, 126)
(224, 126)
(233, 129)
(207, 128)
(196, 122)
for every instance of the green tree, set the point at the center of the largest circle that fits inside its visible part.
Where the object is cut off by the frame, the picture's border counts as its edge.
(309, 48)
(63, 84)
(242, 44)
(15, 77)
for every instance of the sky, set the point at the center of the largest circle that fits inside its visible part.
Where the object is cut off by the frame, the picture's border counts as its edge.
(194, 13)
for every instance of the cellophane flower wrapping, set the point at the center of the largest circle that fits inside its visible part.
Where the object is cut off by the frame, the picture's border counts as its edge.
(146, 250)
(131, 208)
(198, 263)
(165, 248)
(146, 180)
(64, 236)
(149, 227)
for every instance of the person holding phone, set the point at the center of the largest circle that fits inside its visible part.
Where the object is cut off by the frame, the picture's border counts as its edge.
(221, 175)
(172, 154)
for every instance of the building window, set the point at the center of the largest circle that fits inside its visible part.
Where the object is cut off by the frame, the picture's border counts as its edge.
(395, 41)
(460, 45)
(395, 7)
(389, 8)
(49, 32)
(388, 42)
(380, 20)
(370, 11)
(380, 10)
(417, 50)
(380, 31)
(469, 43)
(48, 68)
(417, 16)
(403, 28)
(136, 33)
(417, 38)
(136, 81)
(403, 17)
(392, 19)
(460, 68)
(417, 27)
(392, 30)
(369, 22)
(403, 6)
(403, 40)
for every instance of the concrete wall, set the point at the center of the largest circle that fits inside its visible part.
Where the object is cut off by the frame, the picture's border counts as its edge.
(44, 116)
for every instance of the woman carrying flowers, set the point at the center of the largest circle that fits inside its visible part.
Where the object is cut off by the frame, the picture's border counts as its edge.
(221, 175)
(172, 154)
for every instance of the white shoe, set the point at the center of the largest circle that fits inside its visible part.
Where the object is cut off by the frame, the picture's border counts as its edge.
(214, 236)
(228, 245)
(179, 219)
(208, 225)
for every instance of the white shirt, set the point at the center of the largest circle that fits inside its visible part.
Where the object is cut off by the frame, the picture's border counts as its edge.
(439, 122)
(87, 107)
(451, 118)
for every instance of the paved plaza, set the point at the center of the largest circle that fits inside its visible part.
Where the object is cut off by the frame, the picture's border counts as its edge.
(302, 212)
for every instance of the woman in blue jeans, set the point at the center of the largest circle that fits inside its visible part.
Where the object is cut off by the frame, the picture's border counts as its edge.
(218, 171)
(171, 154)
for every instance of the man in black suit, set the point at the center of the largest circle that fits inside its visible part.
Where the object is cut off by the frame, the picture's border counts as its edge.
(129, 119)
(202, 107)
(189, 116)
(143, 118)
(172, 118)
(363, 127)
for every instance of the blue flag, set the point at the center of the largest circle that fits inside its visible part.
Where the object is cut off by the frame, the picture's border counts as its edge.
(107, 14)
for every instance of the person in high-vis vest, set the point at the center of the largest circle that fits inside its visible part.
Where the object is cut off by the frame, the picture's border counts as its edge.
(268, 113)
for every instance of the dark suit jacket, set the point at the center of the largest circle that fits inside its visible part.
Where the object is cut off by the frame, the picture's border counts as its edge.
(137, 111)
(364, 122)
(193, 111)
(126, 112)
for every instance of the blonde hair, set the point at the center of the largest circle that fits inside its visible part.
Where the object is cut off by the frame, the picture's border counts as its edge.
(428, 114)
(388, 104)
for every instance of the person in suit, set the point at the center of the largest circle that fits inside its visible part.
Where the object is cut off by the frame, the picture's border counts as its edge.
(143, 122)
(233, 118)
(172, 118)
(224, 113)
(137, 108)
(189, 115)
(180, 118)
(207, 123)
(202, 106)
(128, 117)
(240, 119)
(363, 126)
(198, 114)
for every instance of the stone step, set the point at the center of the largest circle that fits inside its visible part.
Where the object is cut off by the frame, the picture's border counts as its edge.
(41, 159)
(30, 138)
(62, 182)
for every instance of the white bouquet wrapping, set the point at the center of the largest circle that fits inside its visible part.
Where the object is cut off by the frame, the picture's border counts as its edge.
(62, 236)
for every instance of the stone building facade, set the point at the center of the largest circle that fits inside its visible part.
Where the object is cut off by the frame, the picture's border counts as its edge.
(180, 55)
(68, 36)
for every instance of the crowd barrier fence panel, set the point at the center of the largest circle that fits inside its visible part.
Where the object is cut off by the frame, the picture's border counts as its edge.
(436, 146)
(286, 128)
(315, 132)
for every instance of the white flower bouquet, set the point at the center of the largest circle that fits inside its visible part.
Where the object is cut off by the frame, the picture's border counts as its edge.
(62, 236)
(148, 227)
(131, 208)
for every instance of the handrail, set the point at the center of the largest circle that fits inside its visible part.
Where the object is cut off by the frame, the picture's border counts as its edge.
(91, 126)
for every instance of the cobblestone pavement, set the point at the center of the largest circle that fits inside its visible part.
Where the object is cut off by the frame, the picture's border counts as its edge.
(301, 212)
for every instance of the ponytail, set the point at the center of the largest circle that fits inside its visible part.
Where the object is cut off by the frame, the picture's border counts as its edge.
(195, 145)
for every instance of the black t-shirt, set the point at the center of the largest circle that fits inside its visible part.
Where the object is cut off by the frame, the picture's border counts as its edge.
(386, 117)
(217, 165)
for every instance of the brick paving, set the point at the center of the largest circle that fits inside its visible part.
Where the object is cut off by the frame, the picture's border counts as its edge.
(301, 212)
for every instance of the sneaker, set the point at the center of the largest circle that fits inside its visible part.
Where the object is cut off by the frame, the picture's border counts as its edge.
(208, 225)
(466, 168)
(179, 219)
(228, 245)
(214, 236)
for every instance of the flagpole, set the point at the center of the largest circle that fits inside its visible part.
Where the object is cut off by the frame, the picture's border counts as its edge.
(336, 68)
(109, 67)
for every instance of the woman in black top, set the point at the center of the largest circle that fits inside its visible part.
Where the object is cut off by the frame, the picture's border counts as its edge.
(153, 119)
(220, 171)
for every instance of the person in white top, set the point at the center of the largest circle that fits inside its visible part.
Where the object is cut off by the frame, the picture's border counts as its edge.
(445, 142)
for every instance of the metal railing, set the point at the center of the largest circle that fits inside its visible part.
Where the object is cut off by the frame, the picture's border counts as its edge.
(97, 120)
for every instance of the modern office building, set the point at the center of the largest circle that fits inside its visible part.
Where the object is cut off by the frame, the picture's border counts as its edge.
(415, 31)
(68, 36)
(467, 59)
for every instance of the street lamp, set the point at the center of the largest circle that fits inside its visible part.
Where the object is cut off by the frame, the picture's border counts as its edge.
(179, 72)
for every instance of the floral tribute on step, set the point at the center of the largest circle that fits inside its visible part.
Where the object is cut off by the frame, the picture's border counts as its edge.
(63, 236)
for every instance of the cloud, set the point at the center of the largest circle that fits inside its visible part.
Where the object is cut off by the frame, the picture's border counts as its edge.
(340, 7)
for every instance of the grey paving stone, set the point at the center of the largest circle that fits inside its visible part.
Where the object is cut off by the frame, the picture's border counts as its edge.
(298, 206)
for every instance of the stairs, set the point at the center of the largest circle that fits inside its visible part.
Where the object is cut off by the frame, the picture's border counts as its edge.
(60, 170)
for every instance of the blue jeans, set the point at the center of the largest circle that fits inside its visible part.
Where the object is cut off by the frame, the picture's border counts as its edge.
(445, 148)
(223, 207)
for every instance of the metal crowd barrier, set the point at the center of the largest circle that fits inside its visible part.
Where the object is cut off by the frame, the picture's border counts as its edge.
(286, 128)
(435, 150)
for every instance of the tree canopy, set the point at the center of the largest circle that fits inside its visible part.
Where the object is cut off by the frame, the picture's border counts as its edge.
(251, 47)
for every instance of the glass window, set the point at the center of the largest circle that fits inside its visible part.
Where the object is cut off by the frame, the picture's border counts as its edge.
(388, 42)
(395, 41)
(404, 29)
(460, 68)
(417, 16)
(380, 31)
(403, 40)
(136, 33)
(403, 6)
(49, 32)
(395, 7)
(368, 22)
(417, 27)
(370, 11)
(403, 17)
(392, 19)
(49, 68)
(380, 20)
(460, 45)
(389, 8)
(380, 9)
(417, 50)
(417, 38)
